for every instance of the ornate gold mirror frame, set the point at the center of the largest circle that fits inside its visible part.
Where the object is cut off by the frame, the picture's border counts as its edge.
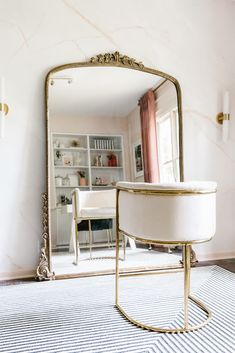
(44, 270)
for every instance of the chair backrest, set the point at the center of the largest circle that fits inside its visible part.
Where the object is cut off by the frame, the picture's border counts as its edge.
(168, 212)
(100, 199)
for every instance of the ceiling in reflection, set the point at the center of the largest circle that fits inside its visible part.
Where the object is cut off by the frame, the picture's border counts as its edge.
(97, 91)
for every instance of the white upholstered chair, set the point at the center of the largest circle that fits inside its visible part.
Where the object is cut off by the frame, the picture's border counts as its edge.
(91, 206)
(181, 213)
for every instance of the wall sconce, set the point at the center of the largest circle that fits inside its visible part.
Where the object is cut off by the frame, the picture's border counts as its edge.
(54, 79)
(224, 117)
(3, 108)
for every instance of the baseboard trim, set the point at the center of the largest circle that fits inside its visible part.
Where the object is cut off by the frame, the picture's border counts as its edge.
(7, 276)
(215, 256)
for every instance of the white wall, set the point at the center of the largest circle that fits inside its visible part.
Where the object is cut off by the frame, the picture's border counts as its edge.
(191, 39)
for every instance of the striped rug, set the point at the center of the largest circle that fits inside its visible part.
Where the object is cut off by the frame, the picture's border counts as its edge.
(78, 315)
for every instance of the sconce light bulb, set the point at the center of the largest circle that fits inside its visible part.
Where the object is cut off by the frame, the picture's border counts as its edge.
(225, 130)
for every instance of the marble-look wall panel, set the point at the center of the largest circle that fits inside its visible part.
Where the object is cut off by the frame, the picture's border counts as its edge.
(188, 39)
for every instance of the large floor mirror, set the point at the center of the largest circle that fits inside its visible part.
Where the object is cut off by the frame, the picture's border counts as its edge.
(108, 119)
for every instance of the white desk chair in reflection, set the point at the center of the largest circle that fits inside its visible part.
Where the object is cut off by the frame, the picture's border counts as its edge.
(182, 214)
(98, 209)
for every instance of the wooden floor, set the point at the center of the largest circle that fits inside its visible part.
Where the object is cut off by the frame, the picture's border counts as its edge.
(228, 264)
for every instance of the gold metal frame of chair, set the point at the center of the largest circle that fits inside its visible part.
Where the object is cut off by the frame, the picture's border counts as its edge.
(90, 244)
(186, 268)
(90, 237)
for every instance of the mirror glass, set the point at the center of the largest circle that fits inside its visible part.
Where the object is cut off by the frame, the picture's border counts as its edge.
(105, 124)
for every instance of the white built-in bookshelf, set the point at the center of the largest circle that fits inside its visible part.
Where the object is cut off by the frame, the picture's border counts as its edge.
(99, 158)
(75, 155)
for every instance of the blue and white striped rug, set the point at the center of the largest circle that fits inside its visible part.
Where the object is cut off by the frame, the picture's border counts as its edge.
(78, 315)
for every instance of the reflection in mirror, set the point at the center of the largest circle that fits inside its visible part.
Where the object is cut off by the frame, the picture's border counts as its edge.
(106, 124)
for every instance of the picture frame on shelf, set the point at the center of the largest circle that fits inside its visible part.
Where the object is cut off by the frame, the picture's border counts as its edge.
(138, 159)
(67, 160)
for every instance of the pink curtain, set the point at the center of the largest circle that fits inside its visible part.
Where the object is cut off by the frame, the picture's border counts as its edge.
(149, 137)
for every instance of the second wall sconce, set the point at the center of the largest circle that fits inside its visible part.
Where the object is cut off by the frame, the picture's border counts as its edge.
(224, 117)
(3, 108)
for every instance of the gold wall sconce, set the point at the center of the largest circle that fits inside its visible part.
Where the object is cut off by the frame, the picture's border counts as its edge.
(53, 80)
(224, 117)
(3, 108)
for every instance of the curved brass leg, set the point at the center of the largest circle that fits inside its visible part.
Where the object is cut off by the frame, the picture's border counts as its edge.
(187, 297)
(169, 330)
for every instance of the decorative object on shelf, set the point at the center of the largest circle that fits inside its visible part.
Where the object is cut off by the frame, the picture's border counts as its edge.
(65, 200)
(58, 180)
(104, 144)
(58, 158)
(138, 159)
(56, 144)
(73, 180)
(224, 117)
(66, 181)
(98, 161)
(82, 179)
(101, 181)
(75, 143)
(112, 160)
(67, 159)
(98, 181)
(77, 158)
(3, 108)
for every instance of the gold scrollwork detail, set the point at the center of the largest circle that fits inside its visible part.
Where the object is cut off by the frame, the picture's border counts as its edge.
(43, 272)
(115, 58)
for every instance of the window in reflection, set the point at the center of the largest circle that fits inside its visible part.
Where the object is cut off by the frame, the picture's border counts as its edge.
(167, 131)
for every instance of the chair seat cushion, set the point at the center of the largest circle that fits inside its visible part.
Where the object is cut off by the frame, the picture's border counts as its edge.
(98, 212)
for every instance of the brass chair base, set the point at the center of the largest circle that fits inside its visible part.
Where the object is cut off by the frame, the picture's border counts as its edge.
(186, 269)
(76, 261)
(169, 330)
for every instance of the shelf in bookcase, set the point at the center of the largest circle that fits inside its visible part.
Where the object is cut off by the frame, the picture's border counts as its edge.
(72, 187)
(103, 186)
(93, 167)
(105, 150)
(71, 166)
(70, 149)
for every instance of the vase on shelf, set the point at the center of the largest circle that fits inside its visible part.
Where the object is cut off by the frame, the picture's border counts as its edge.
(77, 158)
(112, 160)
(58, 180)
(82, 181)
